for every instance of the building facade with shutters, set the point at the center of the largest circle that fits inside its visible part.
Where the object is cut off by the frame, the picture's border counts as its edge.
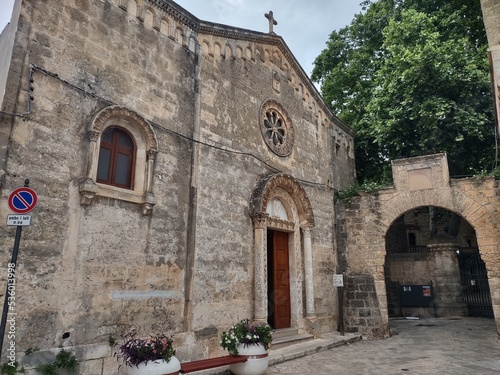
(186, 174)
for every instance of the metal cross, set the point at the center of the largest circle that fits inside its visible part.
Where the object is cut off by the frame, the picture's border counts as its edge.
(272, 21)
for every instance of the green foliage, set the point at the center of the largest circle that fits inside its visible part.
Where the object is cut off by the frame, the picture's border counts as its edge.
(64, 360)
(494, 173)
(136, 350)
(355, 189)
(7, 369)
(31, 350)
(246, 333)
(412, 78)
(112, 341)
(48, 369)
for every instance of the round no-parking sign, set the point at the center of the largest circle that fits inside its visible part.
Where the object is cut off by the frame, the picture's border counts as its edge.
(22, 200)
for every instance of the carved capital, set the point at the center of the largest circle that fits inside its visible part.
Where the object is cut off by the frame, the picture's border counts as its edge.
(151, 154)
(93, 135)
(260, 221)
(306, 230)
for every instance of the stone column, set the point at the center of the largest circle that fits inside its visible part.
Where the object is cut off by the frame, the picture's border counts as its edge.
(149, 199)
(93, 152)
(260, 267)
(309, 277)
(448, 300)
(151, 157)
(88, 188)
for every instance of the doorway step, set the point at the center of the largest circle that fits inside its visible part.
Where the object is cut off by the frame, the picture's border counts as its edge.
(307, 347)
(288, 336)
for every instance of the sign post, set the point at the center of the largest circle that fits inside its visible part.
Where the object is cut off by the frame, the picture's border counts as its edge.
(338, 281)
(21, 201)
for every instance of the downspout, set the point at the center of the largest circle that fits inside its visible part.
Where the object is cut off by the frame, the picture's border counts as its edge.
(193, 197)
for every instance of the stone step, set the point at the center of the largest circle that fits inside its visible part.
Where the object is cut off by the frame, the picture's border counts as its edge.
(299, 349)
(285, 341)
(285, 332)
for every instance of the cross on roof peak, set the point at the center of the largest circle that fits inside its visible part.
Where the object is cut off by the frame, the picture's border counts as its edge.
(272, 21)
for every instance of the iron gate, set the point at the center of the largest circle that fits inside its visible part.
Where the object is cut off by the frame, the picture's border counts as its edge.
(475, 287)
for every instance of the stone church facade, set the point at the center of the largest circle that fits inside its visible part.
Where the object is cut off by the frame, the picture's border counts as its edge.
(186, 174)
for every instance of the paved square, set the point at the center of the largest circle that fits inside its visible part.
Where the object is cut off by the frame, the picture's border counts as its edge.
(458, 346)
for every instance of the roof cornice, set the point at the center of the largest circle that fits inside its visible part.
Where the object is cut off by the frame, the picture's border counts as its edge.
(216, 29)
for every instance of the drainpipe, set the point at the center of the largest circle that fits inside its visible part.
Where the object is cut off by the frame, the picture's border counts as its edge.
(193, 197)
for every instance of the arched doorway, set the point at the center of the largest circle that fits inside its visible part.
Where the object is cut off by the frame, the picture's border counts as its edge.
(433, 266)
(283, 220)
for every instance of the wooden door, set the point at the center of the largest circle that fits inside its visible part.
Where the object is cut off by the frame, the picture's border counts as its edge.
(279, 280)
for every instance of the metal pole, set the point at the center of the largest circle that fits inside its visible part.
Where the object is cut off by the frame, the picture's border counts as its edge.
(340, 294)
(340, 300)
(11, 280)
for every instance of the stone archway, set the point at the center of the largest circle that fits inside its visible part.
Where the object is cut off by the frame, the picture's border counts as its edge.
(297, 219)
(435, 250)
(420, 181)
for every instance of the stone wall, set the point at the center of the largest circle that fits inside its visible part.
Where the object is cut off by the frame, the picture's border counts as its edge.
(169, 257)
(438, 269)
(362, 309)
(369, 216)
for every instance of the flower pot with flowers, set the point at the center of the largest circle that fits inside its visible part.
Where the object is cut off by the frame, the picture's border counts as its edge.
(153, 356)
(252, 340)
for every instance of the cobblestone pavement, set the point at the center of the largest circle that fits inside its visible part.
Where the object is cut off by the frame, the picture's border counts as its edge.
(458, 346)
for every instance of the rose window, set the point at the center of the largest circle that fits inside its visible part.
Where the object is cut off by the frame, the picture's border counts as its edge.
(276, 128)
(275, 132)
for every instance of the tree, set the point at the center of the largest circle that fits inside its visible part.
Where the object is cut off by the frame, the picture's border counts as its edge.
(412, 78)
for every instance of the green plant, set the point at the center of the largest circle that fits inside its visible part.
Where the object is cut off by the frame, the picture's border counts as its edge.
(246, 333)
(64, 360)
(353, 190)
(30, 350)
(47, 369)
(111, 341)
(347, 194)
(135, 350)
(8, 369)
(494, 173)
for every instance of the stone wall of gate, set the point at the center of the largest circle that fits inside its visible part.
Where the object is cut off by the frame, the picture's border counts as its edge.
(418, 182)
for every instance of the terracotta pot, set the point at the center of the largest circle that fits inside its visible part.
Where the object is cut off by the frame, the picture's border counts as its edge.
(157, 367)
(257, 363)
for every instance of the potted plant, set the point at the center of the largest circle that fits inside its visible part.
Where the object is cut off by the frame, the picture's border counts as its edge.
(153, 356)
(252, 340)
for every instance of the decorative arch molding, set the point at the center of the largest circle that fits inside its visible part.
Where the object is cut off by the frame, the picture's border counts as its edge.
(453, 200)
(146, 141)
(120, 112)
(299, 225)
(262, 194)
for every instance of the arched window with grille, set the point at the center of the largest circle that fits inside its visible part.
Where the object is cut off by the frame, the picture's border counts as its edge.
(116, 158)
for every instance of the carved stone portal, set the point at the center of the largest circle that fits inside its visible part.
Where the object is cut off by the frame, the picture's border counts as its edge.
(280, 203)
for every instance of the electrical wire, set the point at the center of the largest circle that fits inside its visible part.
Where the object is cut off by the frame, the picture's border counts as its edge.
(180, 135)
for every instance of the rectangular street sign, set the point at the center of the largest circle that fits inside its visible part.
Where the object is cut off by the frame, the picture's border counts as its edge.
(338, 280)
(18, 220)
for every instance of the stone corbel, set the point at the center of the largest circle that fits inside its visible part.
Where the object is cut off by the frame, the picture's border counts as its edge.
(88, 190)
(147, 206)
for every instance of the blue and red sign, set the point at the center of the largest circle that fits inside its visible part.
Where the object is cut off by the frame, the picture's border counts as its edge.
(22, 200)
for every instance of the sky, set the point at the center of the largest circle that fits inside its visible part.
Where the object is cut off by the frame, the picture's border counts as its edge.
(304, 24)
